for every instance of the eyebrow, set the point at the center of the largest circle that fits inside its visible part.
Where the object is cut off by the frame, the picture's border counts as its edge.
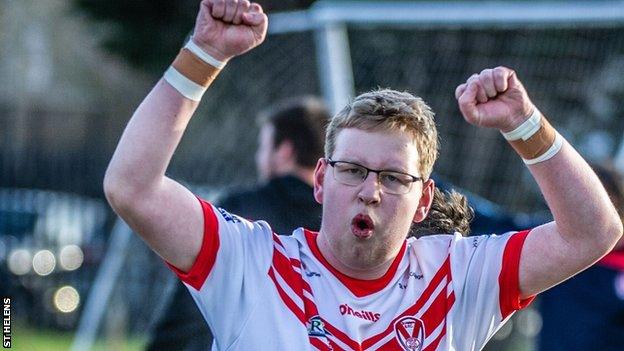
(389, 169)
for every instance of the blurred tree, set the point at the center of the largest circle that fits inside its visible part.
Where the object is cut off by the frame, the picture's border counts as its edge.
(148, 33)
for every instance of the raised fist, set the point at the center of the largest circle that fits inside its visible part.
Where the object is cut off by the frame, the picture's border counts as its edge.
(228, 28)
(494, 98)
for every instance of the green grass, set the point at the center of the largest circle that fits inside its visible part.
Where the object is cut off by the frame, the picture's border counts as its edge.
(28, 339)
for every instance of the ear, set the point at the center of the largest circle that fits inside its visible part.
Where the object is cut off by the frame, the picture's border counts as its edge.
(426, 199)
(319, 177)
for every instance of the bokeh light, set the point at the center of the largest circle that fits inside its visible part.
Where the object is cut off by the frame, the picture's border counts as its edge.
(44, 262)
(19, 261)
(530, 322)
(66, 299)
(71, 257)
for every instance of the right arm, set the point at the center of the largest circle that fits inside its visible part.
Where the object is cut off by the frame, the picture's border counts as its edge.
(163, 212)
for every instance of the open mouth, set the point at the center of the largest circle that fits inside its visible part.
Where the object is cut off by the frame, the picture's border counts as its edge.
(362, 226)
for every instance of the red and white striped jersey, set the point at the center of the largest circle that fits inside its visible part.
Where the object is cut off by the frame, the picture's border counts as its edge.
(261, 291)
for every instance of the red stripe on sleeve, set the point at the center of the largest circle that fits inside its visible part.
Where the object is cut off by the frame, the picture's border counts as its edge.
(196, 276)
(509, 277)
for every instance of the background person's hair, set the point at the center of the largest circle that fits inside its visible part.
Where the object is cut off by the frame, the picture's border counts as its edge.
(449, 213)
(389, 110)
(301, 121)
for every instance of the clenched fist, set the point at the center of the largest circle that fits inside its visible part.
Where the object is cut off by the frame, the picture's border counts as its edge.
(228, 28)
(494, 98)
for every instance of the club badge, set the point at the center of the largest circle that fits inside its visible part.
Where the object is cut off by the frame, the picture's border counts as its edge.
(410, 332)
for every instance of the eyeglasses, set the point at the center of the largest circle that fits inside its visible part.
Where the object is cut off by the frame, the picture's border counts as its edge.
(353, 174)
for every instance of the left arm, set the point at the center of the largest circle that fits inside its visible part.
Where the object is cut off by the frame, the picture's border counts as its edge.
(586, 226)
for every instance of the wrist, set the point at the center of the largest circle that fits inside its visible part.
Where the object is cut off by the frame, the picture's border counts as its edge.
(535, 140)
(519, 118)
(207, 50)
(192, 71)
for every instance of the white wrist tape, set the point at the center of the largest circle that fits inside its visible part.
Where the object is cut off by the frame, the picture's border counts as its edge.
(527, 128)
(552, 151)
(204, 56)
(535, 140)
(185, 86)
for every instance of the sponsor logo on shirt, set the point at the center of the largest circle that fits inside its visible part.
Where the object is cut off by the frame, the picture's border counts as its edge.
(368, 315)
(228, 217)
(316, 327)
(410, 332)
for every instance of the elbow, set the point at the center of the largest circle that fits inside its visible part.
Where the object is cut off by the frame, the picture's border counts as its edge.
(612, 237)
(126, 188)
(114, 191)
(618, 230)
(119, 192)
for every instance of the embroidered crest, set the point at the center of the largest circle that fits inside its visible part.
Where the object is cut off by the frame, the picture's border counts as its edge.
(410, 332)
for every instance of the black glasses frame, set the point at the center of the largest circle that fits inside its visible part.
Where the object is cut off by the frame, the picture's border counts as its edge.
(369, 170)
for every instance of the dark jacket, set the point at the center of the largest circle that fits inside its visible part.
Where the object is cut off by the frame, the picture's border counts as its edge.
(286, 203)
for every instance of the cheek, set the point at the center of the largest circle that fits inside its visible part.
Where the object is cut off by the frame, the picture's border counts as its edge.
(336, 205)
(402, 213)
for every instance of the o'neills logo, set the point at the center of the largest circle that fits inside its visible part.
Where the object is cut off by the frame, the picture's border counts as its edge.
(368, 315)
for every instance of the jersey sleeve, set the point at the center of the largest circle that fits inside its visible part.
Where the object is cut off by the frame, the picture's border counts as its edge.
(230, 268)
(485, 278)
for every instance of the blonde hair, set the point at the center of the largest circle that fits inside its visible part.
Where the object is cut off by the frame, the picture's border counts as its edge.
(389, 110)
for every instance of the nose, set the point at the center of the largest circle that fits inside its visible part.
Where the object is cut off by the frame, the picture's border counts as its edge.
(369, 190)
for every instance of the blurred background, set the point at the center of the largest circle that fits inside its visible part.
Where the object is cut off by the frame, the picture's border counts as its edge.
(74, 71)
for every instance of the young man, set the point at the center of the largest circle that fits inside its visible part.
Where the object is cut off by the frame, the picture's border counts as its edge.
(358, 283)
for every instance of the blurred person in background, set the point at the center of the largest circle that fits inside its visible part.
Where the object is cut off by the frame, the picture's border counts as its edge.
(290, 141)
(358, 282)
(587, 311)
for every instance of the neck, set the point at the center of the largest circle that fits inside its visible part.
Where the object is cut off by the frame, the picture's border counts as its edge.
(306, 175)
(353, 266)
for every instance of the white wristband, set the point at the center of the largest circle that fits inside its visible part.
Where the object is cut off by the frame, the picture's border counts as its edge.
(552, 151)
(527, 128)
(185, 86)
(204, 56)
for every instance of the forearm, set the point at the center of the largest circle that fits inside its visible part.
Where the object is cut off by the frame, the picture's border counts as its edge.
(579, 203)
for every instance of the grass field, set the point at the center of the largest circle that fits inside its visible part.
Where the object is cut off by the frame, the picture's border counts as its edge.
(28, 339)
